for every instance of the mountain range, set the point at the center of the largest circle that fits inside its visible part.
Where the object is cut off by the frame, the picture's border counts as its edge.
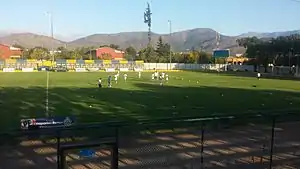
(199, 38)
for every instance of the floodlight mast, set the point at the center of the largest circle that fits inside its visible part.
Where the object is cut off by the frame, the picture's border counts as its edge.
(148, 21)
(170, 36)
(50, 17)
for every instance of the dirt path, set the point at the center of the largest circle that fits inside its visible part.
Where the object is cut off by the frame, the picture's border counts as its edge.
(246, 147)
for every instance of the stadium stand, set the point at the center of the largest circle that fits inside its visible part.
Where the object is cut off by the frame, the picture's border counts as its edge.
(70, 65)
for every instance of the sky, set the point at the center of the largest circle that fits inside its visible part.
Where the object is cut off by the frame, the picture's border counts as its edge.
(78, 18)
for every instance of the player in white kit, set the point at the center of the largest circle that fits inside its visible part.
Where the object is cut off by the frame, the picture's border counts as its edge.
(258, 75)
(167, 77)
(116, 78)
(140, 74)
(125, 77)
(100, 83)
(156, 75)
(152, 76)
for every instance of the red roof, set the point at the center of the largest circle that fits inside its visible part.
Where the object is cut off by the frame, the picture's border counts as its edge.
(6, 52)
(109, 53)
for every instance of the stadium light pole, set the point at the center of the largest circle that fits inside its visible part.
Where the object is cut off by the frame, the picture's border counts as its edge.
(170, 35)
(50, 17)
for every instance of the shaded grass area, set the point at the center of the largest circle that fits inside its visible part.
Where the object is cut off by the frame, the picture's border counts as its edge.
(76, 94)
(186, 94)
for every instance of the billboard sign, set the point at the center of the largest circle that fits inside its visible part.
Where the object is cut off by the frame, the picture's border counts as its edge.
(49, 122)
(221, 53)
(87, 153)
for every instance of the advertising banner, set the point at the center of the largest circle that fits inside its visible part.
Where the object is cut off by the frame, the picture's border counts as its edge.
(110, 69)
(49, 122)
(93, 69)
(80, 70)
(27, 69)
(221, 53)
(124, 69)
(138, 69)
(8, 69)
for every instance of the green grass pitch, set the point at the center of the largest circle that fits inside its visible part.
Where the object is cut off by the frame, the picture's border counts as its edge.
(23, 95)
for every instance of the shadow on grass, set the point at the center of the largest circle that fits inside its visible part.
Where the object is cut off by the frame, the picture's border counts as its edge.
(150, 101)
(231, 148)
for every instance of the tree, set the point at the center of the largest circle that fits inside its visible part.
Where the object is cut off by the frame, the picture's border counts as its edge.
(117, 47)
(204, 57)
(39, 53)
(147, 54)
(101, 46)
(167, 51)
(178, 58)
(76, 54)
(130, 53)
(162, 51)
(18, 46)
(194, 56)
(277, 51)
(63, 53)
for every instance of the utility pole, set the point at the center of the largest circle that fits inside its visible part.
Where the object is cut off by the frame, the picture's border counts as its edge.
(217, 40)
(170, 36)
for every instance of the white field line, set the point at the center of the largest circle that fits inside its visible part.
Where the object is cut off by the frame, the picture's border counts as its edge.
(47, 95)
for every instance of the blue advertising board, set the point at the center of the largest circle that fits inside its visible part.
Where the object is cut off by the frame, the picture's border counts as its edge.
(221, 53)
(87, 153)
(48, 122)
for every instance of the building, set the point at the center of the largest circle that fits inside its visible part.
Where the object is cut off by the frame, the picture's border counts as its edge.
(109, 53)
(237, 60)
(9, 52)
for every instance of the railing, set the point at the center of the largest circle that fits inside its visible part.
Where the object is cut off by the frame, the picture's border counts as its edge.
(204, 128)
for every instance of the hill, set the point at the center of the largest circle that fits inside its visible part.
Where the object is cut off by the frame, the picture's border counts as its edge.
(30, 40)
(270, 34)
(200, 38)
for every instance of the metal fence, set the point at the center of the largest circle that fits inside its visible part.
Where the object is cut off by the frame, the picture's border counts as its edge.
(234, 141)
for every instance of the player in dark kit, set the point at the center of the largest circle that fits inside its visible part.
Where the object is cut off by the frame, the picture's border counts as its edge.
(161, 80)
(109, 81)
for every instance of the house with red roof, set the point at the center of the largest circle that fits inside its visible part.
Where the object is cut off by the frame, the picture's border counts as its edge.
(108, 53)
(9, 52)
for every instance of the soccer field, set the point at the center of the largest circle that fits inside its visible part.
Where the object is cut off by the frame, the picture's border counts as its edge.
(24, 95)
